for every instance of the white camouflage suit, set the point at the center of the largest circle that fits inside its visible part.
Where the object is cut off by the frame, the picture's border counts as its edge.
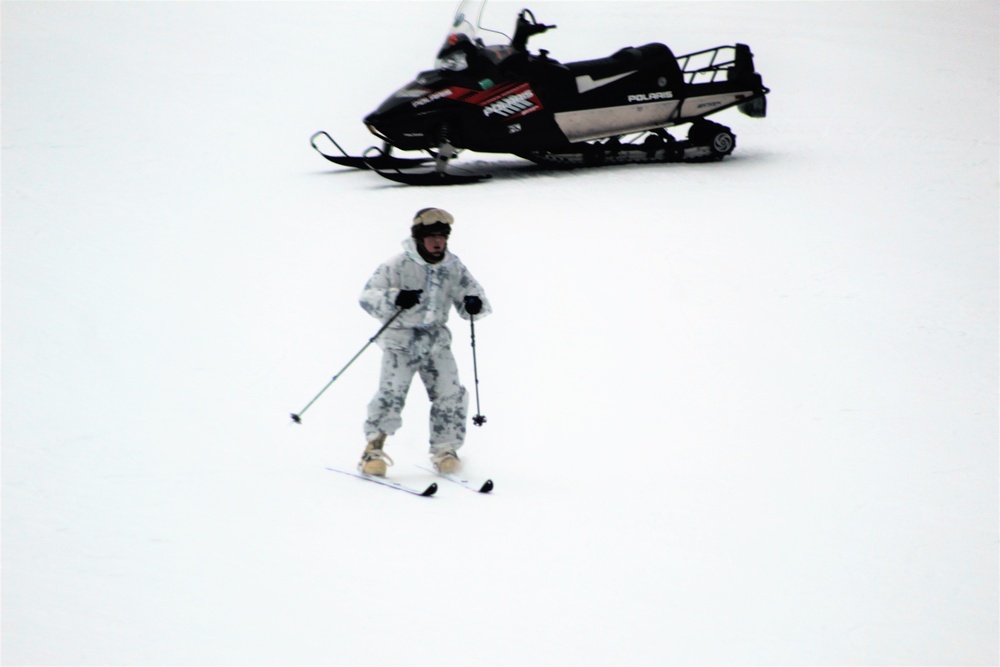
(419, 341)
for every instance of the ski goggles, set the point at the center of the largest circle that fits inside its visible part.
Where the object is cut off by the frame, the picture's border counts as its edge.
(431, 216)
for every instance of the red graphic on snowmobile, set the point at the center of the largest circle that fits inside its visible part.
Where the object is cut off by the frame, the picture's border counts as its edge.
(504, 99)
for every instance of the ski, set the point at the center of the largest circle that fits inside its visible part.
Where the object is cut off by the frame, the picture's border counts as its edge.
(381, 161)
(429, 491)
(428, 177)
(483, 487)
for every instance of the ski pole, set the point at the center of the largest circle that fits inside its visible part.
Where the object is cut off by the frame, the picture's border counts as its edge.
(479, 419)
(297, 416)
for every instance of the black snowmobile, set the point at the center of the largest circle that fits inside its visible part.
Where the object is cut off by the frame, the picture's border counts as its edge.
(503, 99)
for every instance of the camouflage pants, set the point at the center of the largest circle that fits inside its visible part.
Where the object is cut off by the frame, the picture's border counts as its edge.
(449, 399)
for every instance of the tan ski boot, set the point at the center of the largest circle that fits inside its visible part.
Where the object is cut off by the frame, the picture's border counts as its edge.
(374, 460)
(446, 462)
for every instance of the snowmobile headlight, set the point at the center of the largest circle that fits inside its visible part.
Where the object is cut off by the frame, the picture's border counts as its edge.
(455, 62)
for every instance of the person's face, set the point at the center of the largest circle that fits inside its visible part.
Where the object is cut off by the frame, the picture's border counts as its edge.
(435, 244)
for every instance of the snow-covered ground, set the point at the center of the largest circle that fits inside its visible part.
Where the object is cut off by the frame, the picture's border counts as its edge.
(739, 413)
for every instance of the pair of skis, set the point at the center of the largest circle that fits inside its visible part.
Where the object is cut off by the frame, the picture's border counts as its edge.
(464, 482)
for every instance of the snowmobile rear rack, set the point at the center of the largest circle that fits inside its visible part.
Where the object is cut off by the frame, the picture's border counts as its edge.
(707, 66)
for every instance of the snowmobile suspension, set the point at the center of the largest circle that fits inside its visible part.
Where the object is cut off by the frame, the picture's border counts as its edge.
(297, 416)
(479, 419)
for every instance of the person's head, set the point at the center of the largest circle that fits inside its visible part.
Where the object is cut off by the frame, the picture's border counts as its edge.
(431, 228)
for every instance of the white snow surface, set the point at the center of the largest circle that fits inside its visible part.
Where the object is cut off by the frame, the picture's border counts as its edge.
(738, 413)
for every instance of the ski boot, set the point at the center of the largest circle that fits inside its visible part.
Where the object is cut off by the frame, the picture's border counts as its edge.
(374, 460)
(446, 461)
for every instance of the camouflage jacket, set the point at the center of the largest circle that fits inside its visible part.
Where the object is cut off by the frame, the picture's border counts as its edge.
(444, 285)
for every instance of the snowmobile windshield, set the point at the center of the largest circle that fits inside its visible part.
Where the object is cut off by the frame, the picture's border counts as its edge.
(460, 41)
(454, 55)
(463, 49)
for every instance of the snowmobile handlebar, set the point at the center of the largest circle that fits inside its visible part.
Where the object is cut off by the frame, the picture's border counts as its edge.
(526, 28)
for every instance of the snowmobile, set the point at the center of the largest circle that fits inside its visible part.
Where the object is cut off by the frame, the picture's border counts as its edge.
(504, 99)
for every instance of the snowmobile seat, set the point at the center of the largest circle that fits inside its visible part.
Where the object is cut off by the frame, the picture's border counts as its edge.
(649, 57)
(548, 72)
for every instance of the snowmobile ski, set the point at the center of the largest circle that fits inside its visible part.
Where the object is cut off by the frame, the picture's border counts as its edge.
(464, 482)
(381, 161)
(429, 491)
(429, 177)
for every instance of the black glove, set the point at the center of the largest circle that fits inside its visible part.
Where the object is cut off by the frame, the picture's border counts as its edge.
(473, 304)
(408, 298)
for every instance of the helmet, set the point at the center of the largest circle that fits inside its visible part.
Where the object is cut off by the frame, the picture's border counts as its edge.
(430, 221)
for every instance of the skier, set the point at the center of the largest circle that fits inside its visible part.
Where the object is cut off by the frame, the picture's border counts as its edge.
(424, 281)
